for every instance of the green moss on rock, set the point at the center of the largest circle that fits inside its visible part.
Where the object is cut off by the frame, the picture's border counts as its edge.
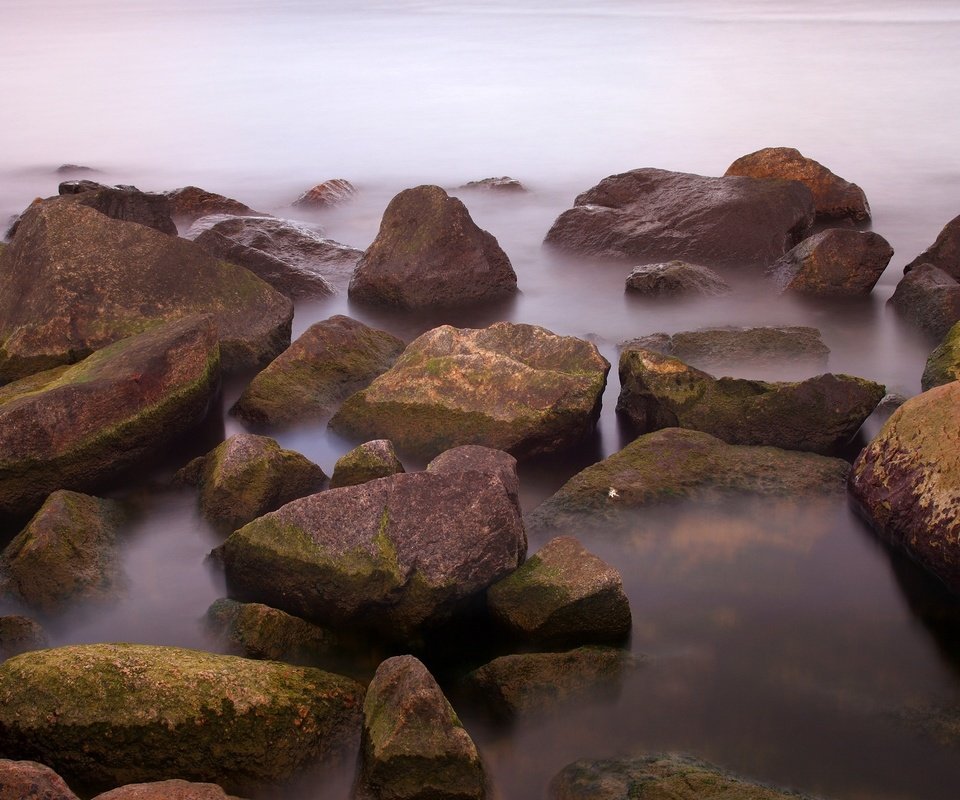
(366, 462)
(943, 365)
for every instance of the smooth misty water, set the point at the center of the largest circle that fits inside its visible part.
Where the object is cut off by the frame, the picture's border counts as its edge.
(782, 642)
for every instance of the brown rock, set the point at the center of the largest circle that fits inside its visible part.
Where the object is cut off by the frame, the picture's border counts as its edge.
(28, 780)
(127, 204)
(366, 462)
(503, 184)
(333, 192)
(944, 253)
(19, 635)
(475, 458)
(838, 262)
(929, 298)
(189, 203)
(167, 790)
(675, 279)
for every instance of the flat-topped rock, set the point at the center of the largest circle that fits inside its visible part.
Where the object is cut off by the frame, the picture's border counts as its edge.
(675, 279)
(838, 262)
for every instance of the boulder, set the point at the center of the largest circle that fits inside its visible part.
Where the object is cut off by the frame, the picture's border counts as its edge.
(19, 635)
(137, 713)
(943, 365)
(67, 552)
(254, 630)
(838, 262)
(475, 458)
(833, 197)
(333, 192)
(414, 746)
(70, 169)
(652, 215)
(74, 281)
(330, 361)
(563, 595)
(366, 462)
(675, 279)
(929, 298)
(429, 252)
(518, 388)
(819, 414)
(125, 203)
(539, 683)
(189, 203)
(673, 465)
(393, 555)
(654, 777)
(27, 780)
(167, 790)
(502, 184)
(907, 481)
(81, 426)
(248, 475)
(944, 253)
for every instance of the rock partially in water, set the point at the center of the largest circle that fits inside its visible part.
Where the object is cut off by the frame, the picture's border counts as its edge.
(929, 298)
(943, 365)
(246, 476)
(652, 215)
(79, 427)
(69, 169)
(513, 387)
(27, 780)
(330, 361)
(414, 745)
(74, 281)
(833, 197)
(475, 458)
(429, 252)
(944, 253)
(19, 635)
(174, 789)
(907, 481)
(366, 462)
(675, 279)
(189, 203)
(562, 595)
(137, 713)
(819, 414)
(501, 184)
(333, 192)
(657, 777)
(68, 552)
(125, 203)
(838, 262)
(393, 555)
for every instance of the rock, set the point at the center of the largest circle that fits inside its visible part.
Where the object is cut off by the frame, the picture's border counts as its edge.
(673, 465)
(563, 595)
(81, 426)
(944, 253)
(366, 462)
(246, 476)
(943, 365)
(127, 204)
(518, 388)
(719, 347)
(330, 361)
(833, 197)
(819, 414)
(890, 403)
(393, 555)
(27, 780)
(414, 745)
(189, 203)
(652, 215)
(675, 279)
(929, 298)
(258, 631)
(907, 481)
(19, 635)
(166, 790)
(538, 683)
(67, 552)
(137, 713)
(474, 458)
(836, 262)
(939, 724)
(80, 186)
(503, 184)
(74, 281)
(429, 252)
(655, 777)
(67, 169)
(333, 192)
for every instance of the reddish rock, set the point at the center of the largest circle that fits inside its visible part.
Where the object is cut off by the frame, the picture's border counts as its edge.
(28, 780)
(167, 790)
(944, 253)
(189, 203)
(333, 192)
(839, 262)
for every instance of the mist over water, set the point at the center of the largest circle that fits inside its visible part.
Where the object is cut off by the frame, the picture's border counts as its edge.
(781, 642)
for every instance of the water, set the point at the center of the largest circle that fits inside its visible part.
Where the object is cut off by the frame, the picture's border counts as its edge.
(781, 642)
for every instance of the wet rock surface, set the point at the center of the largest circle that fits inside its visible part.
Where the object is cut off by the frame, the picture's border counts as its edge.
(189, 203)
(366, 462)
(944, 253)
(333, 192)
(929, 298)
(28, 780)
(943, 365)
(834, 263)
(675, 279)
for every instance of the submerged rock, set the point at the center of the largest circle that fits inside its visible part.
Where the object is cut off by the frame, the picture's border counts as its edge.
(837, 262)
(174, 789)
(189, 203)
(833, 197)
(675, 279)
(330, 361)
(139, 713)
(429, 252)
(475, 458)
(502, 184)
(518, 388)
(654, 215)
(414, 745)
(19, 635)
(944, 253)
(929, 298)
(27, 780)
(366, 462)
(943, 365)
(333, 192)
(819, 414)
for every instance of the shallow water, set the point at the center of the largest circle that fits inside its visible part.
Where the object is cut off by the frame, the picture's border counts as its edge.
(781, 642)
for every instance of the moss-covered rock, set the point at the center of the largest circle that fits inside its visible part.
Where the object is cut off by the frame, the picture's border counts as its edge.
(393, 555)
(414, 745)
(518, 388)
(819, 414)
(562, 595)
(246, 476)
(27, 780)
(675, 464)
(366, 462)
(476, 458)
(167, 790)
(136, 713)
(67, 552)
(20, 634)
(81, 426)
(657, 777)
(74, 280)
(929, 298)
(675, 279)
(330, 361)
(943, 365)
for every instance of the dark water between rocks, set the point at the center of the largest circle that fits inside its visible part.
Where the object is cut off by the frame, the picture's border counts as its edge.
(782, 642)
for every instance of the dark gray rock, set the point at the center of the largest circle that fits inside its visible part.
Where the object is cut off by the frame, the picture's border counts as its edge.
(123, 203)
(838, 262)
(502, 184)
